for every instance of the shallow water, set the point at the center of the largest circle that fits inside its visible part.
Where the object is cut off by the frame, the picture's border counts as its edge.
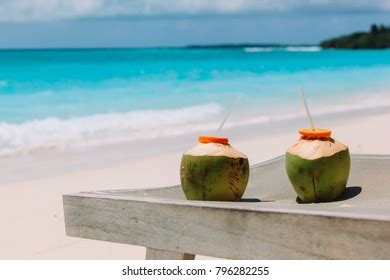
(90, 97)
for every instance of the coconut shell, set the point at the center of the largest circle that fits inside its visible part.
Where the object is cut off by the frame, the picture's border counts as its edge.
(214, 171)
(318, 169)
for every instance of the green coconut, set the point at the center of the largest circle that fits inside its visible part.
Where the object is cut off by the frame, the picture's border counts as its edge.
(318, 169)
(213, 171)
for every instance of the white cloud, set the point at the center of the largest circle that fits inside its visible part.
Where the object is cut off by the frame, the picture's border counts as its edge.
(26, 10)
(38, 10)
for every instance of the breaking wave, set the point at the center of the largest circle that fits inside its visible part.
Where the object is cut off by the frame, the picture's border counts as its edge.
(111, 128)
(100, 129)
(303, 49)
(287, 49)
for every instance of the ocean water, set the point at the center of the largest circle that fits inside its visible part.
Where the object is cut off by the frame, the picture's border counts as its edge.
(67, 99)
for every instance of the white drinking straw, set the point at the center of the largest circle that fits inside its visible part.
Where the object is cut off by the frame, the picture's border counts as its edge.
(228, 114)
(307, 110)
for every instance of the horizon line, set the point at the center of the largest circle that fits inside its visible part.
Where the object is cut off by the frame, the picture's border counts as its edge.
(189, 46)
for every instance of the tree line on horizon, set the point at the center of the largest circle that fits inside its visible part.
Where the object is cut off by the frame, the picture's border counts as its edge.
(378, 37)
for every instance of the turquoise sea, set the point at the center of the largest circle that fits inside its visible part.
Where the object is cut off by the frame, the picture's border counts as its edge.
(66, 98)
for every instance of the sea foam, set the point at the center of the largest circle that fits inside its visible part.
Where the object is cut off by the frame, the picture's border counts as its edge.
(100, 129)
(304, 49)
(112, 128)
(288, 49)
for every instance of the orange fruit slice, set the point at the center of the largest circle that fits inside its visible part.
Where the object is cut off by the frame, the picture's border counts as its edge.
(213, 139)
(316, 132)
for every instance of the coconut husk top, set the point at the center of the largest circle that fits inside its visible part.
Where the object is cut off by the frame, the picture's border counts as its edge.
(215, 149)
(316, 148)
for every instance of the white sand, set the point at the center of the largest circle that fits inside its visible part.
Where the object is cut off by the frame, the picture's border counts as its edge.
(31, 215)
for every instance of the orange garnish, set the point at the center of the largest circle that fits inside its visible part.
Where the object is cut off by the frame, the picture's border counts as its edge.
(212, 139)
(317, 132)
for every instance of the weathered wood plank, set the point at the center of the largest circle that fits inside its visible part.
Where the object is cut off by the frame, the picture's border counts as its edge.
(155, 254)
(235, 234)
(356, 227)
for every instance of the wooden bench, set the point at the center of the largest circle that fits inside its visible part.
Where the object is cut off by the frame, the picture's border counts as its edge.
(267, 224)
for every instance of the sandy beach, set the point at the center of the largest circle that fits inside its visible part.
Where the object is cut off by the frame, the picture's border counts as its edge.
(31, 187)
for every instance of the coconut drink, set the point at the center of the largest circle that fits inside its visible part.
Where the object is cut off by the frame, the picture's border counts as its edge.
(214, 170)
(317, 165)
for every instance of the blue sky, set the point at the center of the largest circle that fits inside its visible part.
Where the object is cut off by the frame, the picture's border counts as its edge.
(137, 23)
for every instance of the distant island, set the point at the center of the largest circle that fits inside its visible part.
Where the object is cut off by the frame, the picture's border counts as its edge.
(377, 38)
